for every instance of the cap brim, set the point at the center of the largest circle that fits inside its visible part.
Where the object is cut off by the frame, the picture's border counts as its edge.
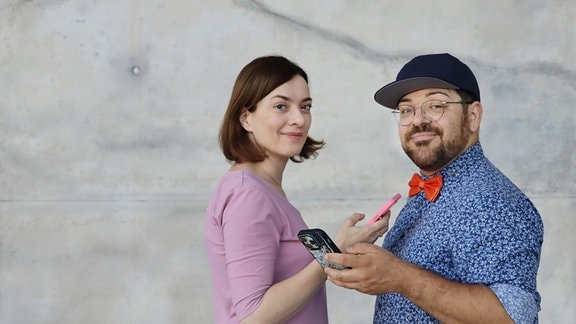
(389, 95)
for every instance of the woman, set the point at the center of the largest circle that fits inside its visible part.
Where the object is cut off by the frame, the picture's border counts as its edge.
(261, 273)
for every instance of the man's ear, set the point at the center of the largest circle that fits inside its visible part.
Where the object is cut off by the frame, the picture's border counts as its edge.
(475, 115)
(245, 120)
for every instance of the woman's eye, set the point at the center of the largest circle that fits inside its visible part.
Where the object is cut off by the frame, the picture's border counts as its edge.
(306, 107)
(280, 106)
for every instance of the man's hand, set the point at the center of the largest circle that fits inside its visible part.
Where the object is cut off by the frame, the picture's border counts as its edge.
(366, 260)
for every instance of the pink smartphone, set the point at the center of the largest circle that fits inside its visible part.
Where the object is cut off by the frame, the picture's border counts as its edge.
(384, 208)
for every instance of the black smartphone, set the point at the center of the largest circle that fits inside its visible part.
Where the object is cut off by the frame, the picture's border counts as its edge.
(319, 243)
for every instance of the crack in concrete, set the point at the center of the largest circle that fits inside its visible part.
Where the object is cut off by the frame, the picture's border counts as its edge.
(361, 50)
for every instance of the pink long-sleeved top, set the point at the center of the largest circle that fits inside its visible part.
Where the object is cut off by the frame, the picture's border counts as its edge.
(250, 235)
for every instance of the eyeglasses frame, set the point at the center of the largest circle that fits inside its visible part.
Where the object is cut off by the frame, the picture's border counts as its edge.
(396, 111)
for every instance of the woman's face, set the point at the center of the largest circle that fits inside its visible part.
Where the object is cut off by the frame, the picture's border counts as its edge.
(281, 121)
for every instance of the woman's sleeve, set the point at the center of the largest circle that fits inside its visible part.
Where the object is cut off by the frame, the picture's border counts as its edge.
(251, 230)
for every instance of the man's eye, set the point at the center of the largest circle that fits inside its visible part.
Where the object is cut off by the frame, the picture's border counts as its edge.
(437, 106)
(306, 107)
(406, 110)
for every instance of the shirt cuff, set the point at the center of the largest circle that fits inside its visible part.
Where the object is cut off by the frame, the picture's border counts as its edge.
(519, 304)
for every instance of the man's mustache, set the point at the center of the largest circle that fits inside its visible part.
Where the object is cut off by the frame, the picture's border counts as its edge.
(422, 128)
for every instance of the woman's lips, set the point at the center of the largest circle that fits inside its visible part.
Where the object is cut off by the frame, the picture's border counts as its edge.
(294, 135)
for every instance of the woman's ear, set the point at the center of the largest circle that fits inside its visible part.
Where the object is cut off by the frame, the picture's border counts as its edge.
(245, 120)
(475, 115)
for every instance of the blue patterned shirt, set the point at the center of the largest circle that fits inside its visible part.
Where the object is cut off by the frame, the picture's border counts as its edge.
(481, 230)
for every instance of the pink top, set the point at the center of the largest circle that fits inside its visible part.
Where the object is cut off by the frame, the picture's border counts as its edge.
(250, 233)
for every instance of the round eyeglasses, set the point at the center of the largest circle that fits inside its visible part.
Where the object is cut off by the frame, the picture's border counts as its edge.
(431, 109)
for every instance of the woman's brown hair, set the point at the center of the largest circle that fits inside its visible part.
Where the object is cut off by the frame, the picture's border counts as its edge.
(254, 82)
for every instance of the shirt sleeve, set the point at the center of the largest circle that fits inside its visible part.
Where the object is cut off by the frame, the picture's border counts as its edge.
(251, 230)
(504, 255)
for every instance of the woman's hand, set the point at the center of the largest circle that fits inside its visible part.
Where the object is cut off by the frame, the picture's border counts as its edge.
(348, 234)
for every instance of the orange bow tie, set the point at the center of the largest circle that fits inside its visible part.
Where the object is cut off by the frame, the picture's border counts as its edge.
(430, 186)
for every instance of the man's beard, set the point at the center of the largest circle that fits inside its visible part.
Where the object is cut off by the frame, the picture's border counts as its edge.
(434, 158)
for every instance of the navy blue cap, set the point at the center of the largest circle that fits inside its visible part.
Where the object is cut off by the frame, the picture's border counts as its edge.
(428, 71)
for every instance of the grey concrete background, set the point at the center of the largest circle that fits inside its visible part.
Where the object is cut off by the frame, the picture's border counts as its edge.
(109, 113)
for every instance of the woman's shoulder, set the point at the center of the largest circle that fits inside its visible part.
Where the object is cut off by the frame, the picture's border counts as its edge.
(241, 178)
(242, 183)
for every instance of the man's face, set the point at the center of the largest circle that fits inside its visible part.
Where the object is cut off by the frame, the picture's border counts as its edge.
(431, 145)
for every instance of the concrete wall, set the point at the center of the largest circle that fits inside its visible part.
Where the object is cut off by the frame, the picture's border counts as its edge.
(108, 136)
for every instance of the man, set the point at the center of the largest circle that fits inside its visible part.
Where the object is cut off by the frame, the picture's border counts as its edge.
(466, 246)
